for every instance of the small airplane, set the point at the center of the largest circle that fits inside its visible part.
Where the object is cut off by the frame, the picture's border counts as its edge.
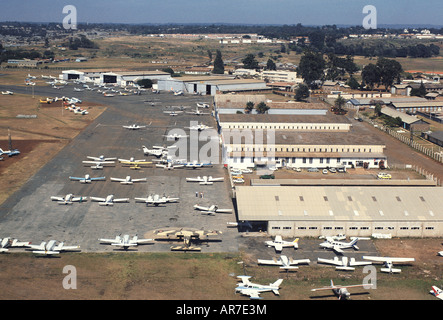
(198, 112)
(337, 246)
(437, 292)
(440, 253)
(6, 243)
(278, 243)
(169, 166)
(254, 290)
(79, 89)
(174, 136)
(199, 127)
(205, 180)
(7, 92)
(156, 199)
(134, 127)
(157, 151)
(87, 178)
(341, 291)
(99, 161)
(187, 236)
(344, 264)
(178, 93)
(202, 105)
(68, 199)
(389, 262)
(50, 248)
(125, 242)
(109, 200)
(127, 180)
(10, 153)
(284, 262)
(81, 111)
(195, 164)
(134, 164)
(173, 112)
(211, 210)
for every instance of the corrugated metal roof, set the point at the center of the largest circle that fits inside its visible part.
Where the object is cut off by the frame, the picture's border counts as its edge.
(339, 203)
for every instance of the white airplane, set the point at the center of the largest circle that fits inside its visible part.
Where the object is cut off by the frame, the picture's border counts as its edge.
(178, 93)
(156, 199)
(157, 151)
(341, 291)
(79, 89)
(109, 200)
(125, 242)
(202, 105)
(254, 290)
(338, 246)
(278, 243)
(205, 180)
(195, 164)
(440, 253)
(68, 199)
(7, 92)
(344, 264)
(389, 262)
(50, 248)
(101, 158)
(87, 178)
(134, 127)
(284, 262)
(437, 292)
(127, 180)
(81, 111)
(337, 237)
(211, 210)
(173, 113)
(198, 112)
(10, 153)
(199, 127)
(174, 136)
(169, 166)
(31, 77)
(6, 243)
(98, 164)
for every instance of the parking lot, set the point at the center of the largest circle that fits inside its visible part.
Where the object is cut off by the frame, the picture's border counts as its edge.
(30, 215)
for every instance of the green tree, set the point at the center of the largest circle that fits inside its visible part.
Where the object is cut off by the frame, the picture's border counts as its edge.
(270, 65)
(219, 66)
(249, 62)
(353, 83)
(262, 108)
(377, 109)
(420, 91)
(302, 92)
(311, 67)
(370, 75)
(339, 103)
(249, 107)
(390, 71)
(168, 70)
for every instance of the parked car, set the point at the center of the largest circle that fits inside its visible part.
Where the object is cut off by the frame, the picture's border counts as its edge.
(267, 176)
(313, 170)
(239, 180)
(246, 170)
(332, 170)
(297, 169)
(325, 171)
(383, 175)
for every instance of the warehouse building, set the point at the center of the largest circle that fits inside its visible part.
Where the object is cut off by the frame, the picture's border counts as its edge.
(210, 85)
(359, 211)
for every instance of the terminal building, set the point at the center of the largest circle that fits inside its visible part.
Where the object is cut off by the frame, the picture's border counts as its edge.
(357, 211)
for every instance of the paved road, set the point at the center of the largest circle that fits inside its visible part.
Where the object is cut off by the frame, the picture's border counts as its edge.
(30, 215)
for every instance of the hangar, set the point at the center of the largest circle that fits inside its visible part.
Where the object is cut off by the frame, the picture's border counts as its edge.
(210, 85)
(312, 211)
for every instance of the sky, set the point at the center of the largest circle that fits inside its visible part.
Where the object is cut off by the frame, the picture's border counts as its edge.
(306, 12)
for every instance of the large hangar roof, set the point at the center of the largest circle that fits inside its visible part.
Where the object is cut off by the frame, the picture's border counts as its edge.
(354, 203)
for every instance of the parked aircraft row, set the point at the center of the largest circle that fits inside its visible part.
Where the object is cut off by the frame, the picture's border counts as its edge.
(46, 248)
(109, 200)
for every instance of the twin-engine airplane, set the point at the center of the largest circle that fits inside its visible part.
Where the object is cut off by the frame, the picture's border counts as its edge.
(205, 180)
(338, 246)
(341, 291)
(87, 179)
(284, 262)
(128, 180)
(109, 200)
(157, 151)
(134, 127)
(51, 248)
(254, 290)
(156, 199)
(125, 242)
(344, 264)
(211, 210)
(278, 243)
(68, 199)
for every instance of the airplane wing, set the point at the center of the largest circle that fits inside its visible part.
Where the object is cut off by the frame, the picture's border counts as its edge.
(117, 179)
(97, 178)
(388, 259)
(335, 262)
(141, 179)
(337, 249)
(98, 162)
(121, 200)
(172, 199)
(57, 198)
(195, 179)
(354, 263)
(273, 262)
(77, 178)
(197, 207)
(108, 240)
(160, 165)
(45, 252)
(223, 210)
(143, 241)
(142, 199)
(68, 248)
(278, 247)
(135, 162)
(253, 294)
(215, 179)
(97, 199)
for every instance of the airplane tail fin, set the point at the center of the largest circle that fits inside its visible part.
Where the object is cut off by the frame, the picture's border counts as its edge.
(277, 283)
